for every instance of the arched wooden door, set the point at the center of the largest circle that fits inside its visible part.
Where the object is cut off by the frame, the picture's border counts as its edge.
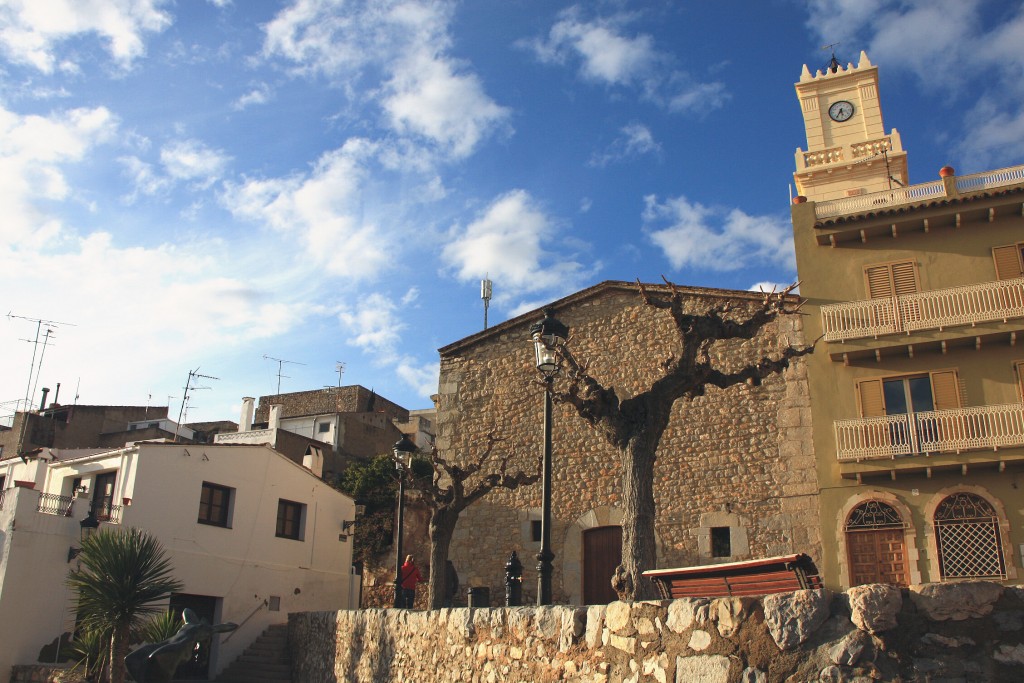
(875, 545)
(602, 553)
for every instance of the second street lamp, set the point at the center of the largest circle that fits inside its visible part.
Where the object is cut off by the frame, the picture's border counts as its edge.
(547, 336)
(402, 453)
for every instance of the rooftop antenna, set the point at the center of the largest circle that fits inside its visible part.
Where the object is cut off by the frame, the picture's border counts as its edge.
(280, 362)
(32, 368)
(339, 367)
(485, 294)
(192, 374)
(833, 64)
(42, 354)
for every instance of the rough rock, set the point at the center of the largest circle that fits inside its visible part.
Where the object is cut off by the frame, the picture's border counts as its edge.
(699, 640)
(792, 617)
(751, 675)
(573, 626)
(946, 641)
(729, 613)
(617, 618)
(549, 621)
(1010, 654)
(850, 649)
(595, 624)
(955, 601)
(656, 666)
(873, 607)
(683, 613)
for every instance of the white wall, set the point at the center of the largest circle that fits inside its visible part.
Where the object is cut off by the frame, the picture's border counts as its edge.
(245, 565)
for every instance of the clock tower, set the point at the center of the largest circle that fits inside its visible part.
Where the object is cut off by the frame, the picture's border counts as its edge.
(848, 152)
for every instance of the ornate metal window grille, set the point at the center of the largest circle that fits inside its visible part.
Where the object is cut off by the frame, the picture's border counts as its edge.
(874, 514)
(967, 533)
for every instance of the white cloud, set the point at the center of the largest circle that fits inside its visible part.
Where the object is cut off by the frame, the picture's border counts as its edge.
(608, 53)
(191, 160)
(30, 30)
(261, 94)
(635, 140)
(768, 286)
(375, 326)
(507, 243)
(421, 377)
(323, 208)
(145, 180)
(716, 239)
(33, 150)
(402, 44)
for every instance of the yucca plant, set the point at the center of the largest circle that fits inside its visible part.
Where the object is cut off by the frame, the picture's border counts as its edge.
(91, 650)
(121, 577)
(157, 628)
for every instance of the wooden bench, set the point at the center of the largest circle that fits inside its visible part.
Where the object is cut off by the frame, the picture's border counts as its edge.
(781, 574)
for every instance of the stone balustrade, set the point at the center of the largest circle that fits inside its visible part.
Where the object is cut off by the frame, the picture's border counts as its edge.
(960, 631)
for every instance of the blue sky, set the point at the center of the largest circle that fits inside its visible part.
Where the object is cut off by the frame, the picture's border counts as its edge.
(202, 184)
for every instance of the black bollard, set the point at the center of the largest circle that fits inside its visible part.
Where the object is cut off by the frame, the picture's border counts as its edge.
(513, 581)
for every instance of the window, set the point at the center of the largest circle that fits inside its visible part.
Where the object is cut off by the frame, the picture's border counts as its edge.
(891, 279)
(721, 541)
(215, 505)
(289, 519)
(1009, 261)
(323, 427)
(968, 538)
(1019, 366)
(535, 530)
(938, 390)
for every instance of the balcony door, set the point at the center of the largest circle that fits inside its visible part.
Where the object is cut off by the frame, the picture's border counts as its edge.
(103, 495)
(910, 396)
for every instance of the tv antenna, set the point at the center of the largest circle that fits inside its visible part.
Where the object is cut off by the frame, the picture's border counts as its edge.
(485, 294)
(32, 372)
(280, 363)
(833, 64)
(339, 367)
(192, 374)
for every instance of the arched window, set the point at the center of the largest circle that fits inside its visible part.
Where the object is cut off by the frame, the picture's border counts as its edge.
(875, 545)
(967, 535)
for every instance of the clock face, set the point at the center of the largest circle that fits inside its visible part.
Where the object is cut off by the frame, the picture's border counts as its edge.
(841, 111)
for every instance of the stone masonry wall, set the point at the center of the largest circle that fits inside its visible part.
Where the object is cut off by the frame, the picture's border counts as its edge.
(349, 399)
(970, 632)
(740, 458)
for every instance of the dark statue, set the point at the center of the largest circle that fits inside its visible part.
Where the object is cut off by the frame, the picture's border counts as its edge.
(156, 663)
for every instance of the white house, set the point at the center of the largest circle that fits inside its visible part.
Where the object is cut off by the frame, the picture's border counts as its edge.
(251, 534)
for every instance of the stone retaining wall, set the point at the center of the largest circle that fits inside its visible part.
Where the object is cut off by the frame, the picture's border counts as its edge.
(968, 632)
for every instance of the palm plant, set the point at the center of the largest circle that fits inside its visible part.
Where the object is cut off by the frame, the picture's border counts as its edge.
(121, 577)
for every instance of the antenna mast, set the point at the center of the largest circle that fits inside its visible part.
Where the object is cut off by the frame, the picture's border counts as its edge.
(485, 294)
(280, 362)
(192, 374)
(339, 367)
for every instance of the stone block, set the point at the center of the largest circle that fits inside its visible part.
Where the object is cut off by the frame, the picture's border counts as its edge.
(618, 618)
(623, 643)
(874, 607)
(729, 614)
(792, 617)
(699, 640)
(703, 668)
(595, 624)
(955, 601)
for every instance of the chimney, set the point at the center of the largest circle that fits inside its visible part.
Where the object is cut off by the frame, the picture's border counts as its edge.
(245, 423)
(42, 404)
(275, 416)
(313, 461)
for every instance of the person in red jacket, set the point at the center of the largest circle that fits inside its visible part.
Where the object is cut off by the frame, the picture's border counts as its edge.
(410, 577)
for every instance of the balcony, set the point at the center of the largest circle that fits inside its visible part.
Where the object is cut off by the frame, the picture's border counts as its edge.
(64, 506)
(935, 310)
(937, 431)
(912, 194)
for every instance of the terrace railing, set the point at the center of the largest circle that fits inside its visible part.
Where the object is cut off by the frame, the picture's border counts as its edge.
(936, 431)
(935, 310)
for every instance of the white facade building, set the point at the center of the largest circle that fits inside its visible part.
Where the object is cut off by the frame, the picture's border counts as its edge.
(251, 534)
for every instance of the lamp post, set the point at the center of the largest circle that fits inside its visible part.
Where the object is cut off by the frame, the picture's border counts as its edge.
(89, 526)
(547, 336)
(402, 454)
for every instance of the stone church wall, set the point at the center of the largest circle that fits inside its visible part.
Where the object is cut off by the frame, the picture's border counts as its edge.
(741, 458)
(948, 632)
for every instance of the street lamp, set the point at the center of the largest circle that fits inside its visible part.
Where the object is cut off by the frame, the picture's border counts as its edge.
(89, 526)
(402, 453)
(547, 336)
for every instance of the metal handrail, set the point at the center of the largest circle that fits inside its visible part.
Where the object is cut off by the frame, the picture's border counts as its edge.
(53, 504)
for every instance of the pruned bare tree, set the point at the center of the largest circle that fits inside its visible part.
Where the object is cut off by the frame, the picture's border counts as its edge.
(634, 426)
(447, 494)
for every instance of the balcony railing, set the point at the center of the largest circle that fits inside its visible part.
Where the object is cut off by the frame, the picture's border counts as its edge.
(52, 504)
(935, 310)
(1003, 177)
(936, 431)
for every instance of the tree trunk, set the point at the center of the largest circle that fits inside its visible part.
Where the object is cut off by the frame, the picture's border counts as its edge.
(639, 551)
(118, 650)
(442, 526)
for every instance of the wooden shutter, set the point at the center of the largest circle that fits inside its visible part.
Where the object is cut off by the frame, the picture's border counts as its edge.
(872, 401)
(945, 390)
(891, 279)
(1008, 261)
(904, 278)
(879, 282)
(1019, 365)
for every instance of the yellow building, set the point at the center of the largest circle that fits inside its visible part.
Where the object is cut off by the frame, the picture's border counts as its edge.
(917, 293)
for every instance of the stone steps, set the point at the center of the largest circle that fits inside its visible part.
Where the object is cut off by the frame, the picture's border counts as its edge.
(265, 661)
